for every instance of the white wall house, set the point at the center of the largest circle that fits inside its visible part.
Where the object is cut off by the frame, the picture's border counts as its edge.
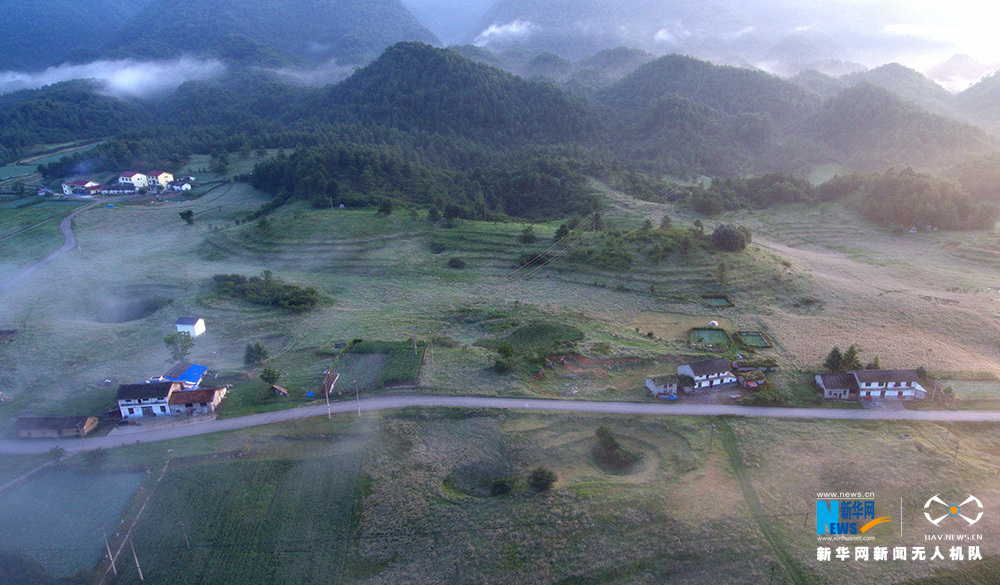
(80, 187)
(872, 384)
(708, 373)
(193, 326)
(145, 400)
(134, 180)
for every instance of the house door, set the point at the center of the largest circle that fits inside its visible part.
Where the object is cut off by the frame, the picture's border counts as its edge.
(147, 411)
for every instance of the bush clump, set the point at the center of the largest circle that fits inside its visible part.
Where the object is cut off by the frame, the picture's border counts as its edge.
(267, 290)
(610, 455)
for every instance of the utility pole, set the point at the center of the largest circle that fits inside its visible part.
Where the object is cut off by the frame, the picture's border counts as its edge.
(955, 458)
(138, 568)
(357, 398)
(711, 437)
(108, 547)
(772, 575)
(186, 541)
(327, 388)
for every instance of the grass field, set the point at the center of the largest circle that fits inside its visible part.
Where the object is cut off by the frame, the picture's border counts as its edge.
(55, 517)
(755, 339)
(711, 337)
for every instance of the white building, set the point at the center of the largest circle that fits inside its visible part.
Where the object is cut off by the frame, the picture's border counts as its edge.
(664, 385)
(708, 373)
(193, 326)
(134, 180)
(149, 399)
(872, 384)
(80, 187)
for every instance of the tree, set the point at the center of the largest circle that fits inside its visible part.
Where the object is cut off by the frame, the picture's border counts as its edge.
(647, 226)
(665, 222)
(528, 235)
(188, 216)
(834, 360)
(179, 344)
(433, 215)
(722, 272)
(851, 360)
(270, 376)
(561, 232)
(255, 355)
(728, 239)
(456, 263)
(541, 479)
(56, 453)
(747, 235)
(597, 222)
(873, 365)
(385, 207)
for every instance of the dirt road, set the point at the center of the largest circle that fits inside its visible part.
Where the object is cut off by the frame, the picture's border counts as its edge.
(28, 447)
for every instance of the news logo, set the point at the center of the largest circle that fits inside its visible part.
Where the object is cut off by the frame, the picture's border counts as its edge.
(846, 517)
(952, 510)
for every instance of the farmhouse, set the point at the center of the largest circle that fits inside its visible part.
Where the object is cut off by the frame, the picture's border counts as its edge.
(179, 186)
(193, 326)
(80, 187)
(663, 385)
(134, 180)
(53, 427)
(148, 399)
(708, 373)
(200, 401)
(872, 384)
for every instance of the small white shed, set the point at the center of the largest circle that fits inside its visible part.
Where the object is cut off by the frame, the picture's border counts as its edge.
(193, 326)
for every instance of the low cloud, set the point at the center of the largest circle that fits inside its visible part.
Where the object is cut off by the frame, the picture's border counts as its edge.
(504, 33)
(326, 74)
(125, 78)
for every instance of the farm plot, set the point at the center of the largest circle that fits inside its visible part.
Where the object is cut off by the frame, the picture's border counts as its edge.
(377, 364)
(710, 337)
(55, 517)
(755, 339)
(718, 301)
(675, 326)
(972, 389)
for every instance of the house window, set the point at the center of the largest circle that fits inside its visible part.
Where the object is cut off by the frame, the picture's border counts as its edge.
(163, 409)
(131, 411)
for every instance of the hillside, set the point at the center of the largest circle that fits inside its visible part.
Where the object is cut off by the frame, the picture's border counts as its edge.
(414, 86)
(63, 112)
(728, 89)
(33, 35)
(981, 103)
(908, 84)
(874, 128)
(350, 31)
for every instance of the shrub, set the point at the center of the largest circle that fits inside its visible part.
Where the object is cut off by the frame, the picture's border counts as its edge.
(541, 479)
(267, 290)
(456, 263)
(255, 355)
(610, 455)
(728, 239)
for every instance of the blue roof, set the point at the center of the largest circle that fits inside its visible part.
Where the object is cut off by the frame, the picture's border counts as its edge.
(192, 375)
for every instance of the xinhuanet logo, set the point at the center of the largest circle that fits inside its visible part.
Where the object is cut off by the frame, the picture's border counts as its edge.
(846, 517)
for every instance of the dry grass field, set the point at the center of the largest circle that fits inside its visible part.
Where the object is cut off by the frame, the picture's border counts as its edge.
(814, 278)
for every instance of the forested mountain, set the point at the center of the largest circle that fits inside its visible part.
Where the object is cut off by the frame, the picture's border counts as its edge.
(261, 31)
(727, 89)
(38, 33)
(873, 128)
(819, 84)
(67, 111)
(981, 103)
(908, 84)
(414, 86)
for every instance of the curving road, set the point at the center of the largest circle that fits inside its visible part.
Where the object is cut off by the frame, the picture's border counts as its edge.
(69, 242)
(29, 447)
